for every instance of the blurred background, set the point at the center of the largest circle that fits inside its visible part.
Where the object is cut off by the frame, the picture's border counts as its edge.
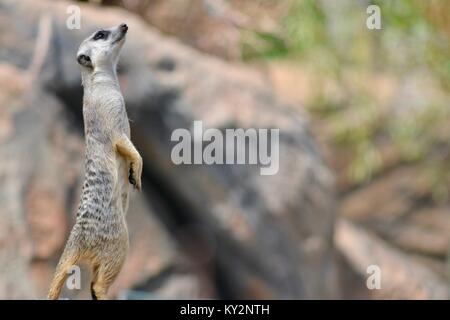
(364, 147)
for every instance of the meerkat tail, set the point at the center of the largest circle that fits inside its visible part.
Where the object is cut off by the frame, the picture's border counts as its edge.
(68, 259)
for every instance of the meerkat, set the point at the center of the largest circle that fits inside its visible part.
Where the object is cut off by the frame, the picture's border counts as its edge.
(100, 236)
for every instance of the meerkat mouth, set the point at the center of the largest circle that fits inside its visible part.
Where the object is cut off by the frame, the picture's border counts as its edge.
(119, 38)
(123, 31)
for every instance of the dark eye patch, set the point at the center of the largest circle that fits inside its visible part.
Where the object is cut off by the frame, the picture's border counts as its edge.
(102, 34)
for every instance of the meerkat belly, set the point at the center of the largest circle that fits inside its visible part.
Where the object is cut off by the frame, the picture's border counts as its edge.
(100, 215)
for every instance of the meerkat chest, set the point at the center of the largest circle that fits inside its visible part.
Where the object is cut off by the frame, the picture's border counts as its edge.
(105, 116)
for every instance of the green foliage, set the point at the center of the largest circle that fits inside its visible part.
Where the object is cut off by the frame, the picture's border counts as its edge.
(335, 42)
(264, 44)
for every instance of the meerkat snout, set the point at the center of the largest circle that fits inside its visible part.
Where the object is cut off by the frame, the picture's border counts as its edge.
(102, 48)
(124, 27)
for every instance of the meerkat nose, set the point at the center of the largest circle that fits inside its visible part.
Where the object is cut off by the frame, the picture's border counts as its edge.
(123, 27)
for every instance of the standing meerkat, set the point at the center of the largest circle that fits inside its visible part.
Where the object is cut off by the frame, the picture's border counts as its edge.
(100, 236)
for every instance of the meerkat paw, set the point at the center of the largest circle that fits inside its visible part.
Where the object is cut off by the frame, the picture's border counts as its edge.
(131, 178)
(135, 175)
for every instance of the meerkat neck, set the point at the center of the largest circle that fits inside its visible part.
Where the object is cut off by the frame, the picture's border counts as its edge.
(100, 77)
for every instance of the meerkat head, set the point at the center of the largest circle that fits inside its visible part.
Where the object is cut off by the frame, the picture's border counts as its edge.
(102, 48)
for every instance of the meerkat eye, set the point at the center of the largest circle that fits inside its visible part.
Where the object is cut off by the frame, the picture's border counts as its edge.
(101, 35)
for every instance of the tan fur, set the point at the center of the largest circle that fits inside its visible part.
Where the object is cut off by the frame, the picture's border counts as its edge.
(100, 236)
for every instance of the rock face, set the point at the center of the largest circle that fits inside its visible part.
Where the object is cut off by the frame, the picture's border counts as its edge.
(226, 230)
(20, 142)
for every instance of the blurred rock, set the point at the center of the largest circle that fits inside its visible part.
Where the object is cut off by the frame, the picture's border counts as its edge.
(211, 26)
(397, 208)
(400, 276)
(425, 231)
(15, 247)
(264, 236)
(36, 181)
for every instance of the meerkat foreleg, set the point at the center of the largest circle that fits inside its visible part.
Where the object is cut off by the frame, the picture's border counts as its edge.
(126, 148)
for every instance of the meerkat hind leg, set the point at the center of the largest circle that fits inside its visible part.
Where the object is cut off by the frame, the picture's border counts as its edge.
(93, 281)
(103, 277)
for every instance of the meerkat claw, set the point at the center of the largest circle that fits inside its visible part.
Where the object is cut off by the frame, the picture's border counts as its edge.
(131, 178)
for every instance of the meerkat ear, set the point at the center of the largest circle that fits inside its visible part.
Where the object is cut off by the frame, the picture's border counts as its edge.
(84, 60)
